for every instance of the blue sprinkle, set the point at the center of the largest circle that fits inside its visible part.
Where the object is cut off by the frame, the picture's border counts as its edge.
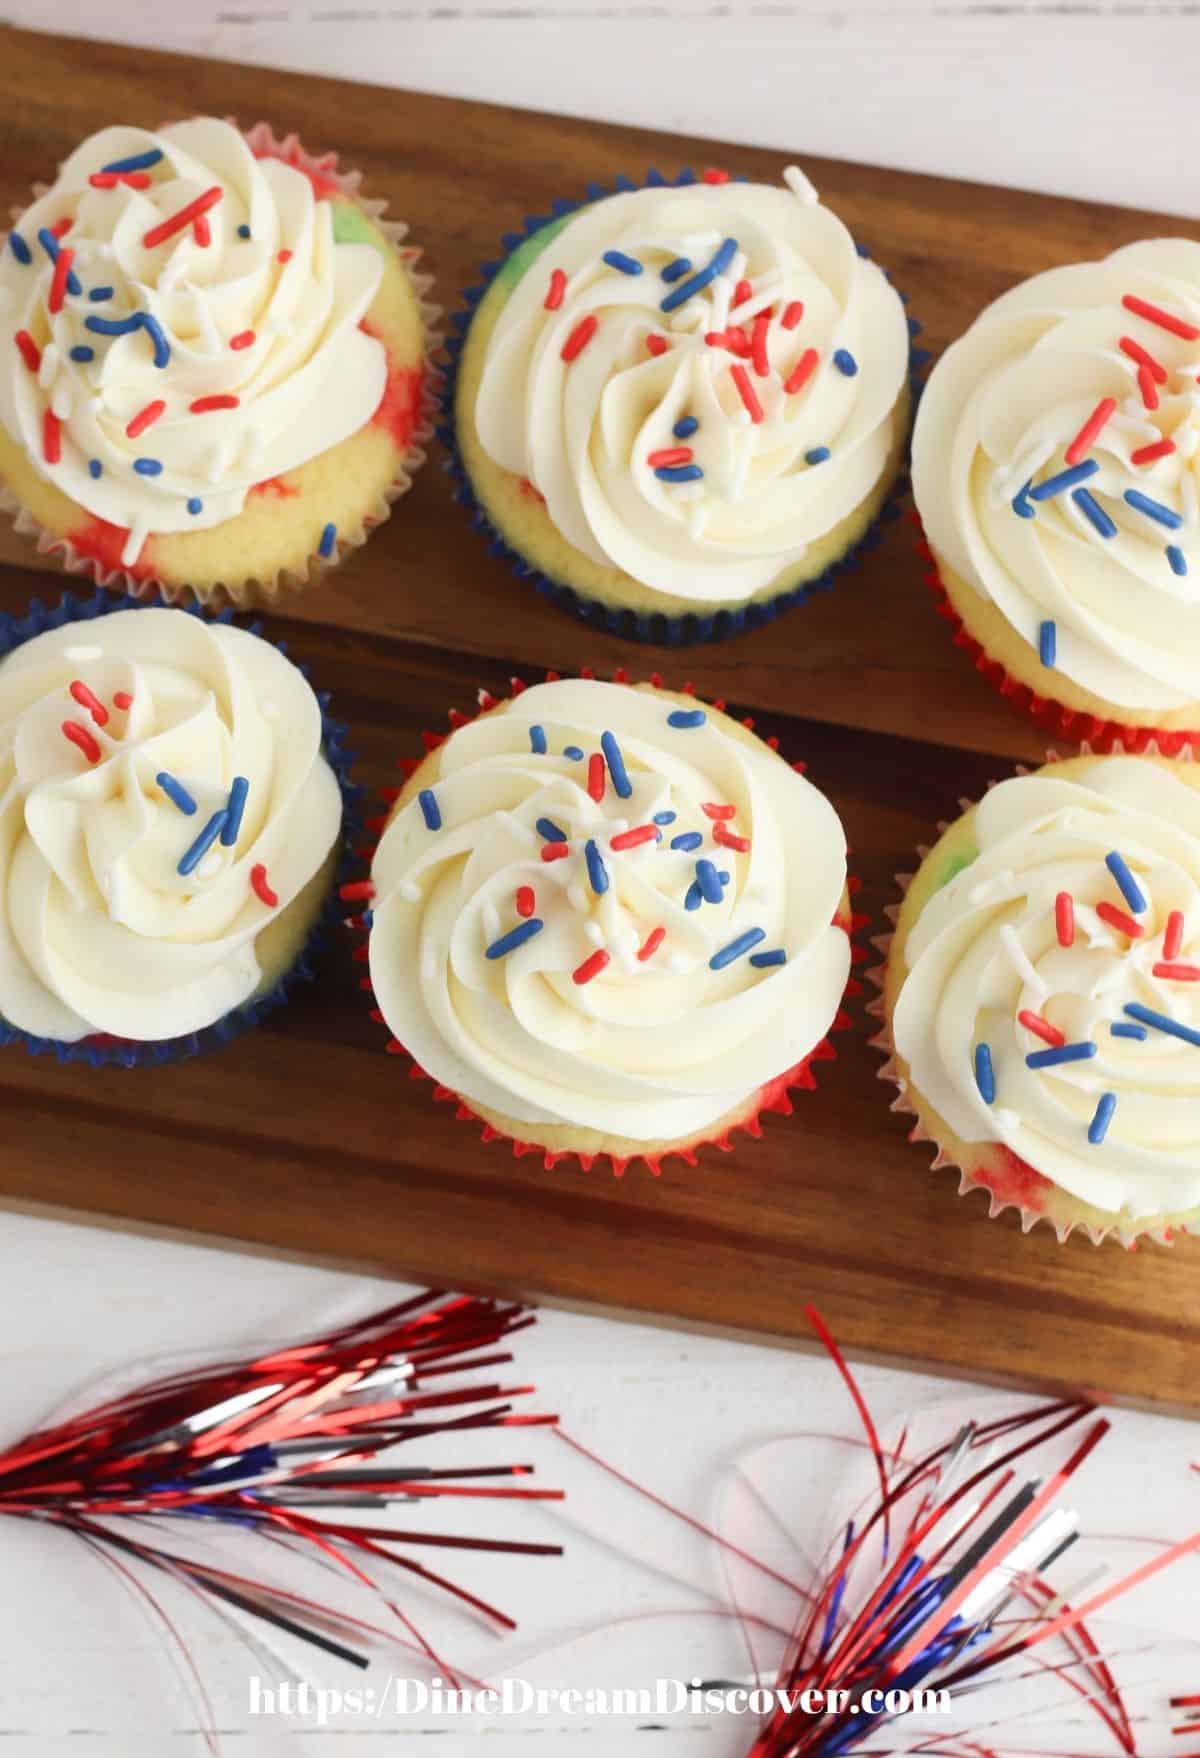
(82, 353)
(985, 1074)
(689, 840)
(195, 506)
(235, 808)
(515, 937)
(616, 765)
(98, 295)
(573, 752)
(1094, 512)
(1065, 479)
(49, 244)
(1062, 1053)
(148, 466)
(686, 717)
(430, 810)
(693, 900)
(627, 265)
(673, 270)
(1047, 643)
(709, 881)
(202, 844)
(597, 871)
(243, 231)
(176, 793)
(845, 362)
(328, 540)
(548, 830)
(95, 468)
(537, 740)
(1142, 503)
(678, 472)
(20, 249)
(697, 282)
(138, 162)
(664, 817)
(724, 877)
(1122, 1029)
(1098, 1128)
(1161, 1022)
(736, 948)
(1131, 891)
(760, 960)
(152, 327)
(114, 326)
(1177, 559)
(685, 427)
(818, 455)
(1021, 505)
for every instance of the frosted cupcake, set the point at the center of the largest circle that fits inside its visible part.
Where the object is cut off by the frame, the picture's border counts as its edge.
(213, 362)
(604, 918)
(682, 406)
(1042, 996)
(1055, 471)
(169, 826)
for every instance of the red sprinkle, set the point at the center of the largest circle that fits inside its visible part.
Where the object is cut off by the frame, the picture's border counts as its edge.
(1064, 918)
(61, 227)
(596, 773)
(727, 839)
(243, 339)
(762, 324)
(556, 290)
(1091, 430)
(713, 176)
(1120, 920)
(284, 256)
(555, 851)
(1166, 320)
(260, 887)
(1041, 1028)
(669, 456)
(657, 344)
(802, 371)
(1150, 454)
(79, 735)
(746, 391)
(146, 417)
(1179, 973)
(792, 313)
(31, 354)
(202, 405)
(526, 901)
(111, 179)
(591, 967)
(742, 292)
(92, 703)
(1147, 387)
(58, 280)
(51, 437)
(1173, 938)
(358, 891)
(202, 232)
(1135, 351)
(721, 812)
(654, 940)
(580, 336)
(179, 222)
(635, 837)
(122, 700)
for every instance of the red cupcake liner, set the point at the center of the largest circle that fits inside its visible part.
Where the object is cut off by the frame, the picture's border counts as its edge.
(1090, 731)
(773, 1098)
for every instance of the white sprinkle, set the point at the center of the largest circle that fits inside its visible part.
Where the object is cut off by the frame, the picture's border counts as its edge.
(577, 897)
(1187, 494)
(1020, 959)
(721, 295)
(139, 530)
(62, 400)
(800, 186)
(210, 865)
(49, 365)
(80, 655)
(491, 920)
(691, 316)
(594, 932)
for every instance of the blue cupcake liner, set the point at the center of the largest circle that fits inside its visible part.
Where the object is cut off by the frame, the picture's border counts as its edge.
(14, 632)
(692, 627)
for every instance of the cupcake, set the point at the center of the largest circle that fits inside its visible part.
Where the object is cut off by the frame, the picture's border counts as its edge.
(1055, 472)
(214, 362)
(610, 921)
(1042, 996)
(682, 406)
(169, 831)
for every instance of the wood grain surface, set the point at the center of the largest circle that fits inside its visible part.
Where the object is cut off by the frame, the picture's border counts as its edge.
(305, 1136)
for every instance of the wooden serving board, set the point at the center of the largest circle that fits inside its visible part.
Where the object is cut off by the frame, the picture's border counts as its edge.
(305, 1136)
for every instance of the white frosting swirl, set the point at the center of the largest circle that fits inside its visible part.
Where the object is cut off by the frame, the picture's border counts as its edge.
(99, 931)
(581, 431)
(654, 1048)
(266, 266)
(1000, 410)
(986, 947)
